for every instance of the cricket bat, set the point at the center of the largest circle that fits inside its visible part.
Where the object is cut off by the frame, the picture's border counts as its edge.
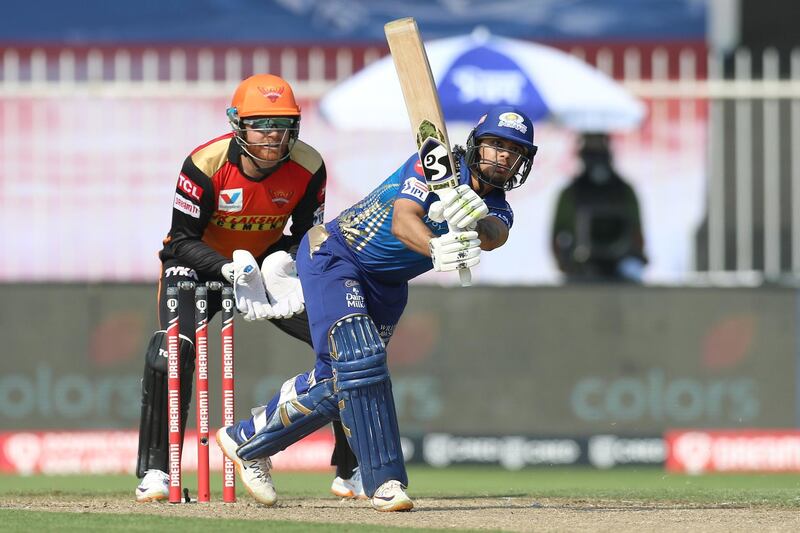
(424, 109)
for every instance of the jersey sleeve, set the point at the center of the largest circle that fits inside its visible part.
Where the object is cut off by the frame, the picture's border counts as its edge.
(191, 211)
(500, 208)
(412, 183)
(310, 210)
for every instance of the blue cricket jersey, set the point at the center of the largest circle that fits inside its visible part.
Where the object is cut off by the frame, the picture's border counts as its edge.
(366, 227)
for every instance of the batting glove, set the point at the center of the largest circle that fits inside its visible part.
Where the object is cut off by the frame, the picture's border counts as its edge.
(460, 207)
(455, 250)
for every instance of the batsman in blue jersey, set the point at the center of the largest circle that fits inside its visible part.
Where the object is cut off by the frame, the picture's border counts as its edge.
(354, 273)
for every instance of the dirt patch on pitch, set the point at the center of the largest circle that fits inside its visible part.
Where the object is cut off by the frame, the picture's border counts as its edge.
(506, 514)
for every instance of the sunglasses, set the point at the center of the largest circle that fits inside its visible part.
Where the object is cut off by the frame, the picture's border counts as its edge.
(271, 123)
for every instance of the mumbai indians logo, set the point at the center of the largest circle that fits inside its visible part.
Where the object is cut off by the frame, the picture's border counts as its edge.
(271, 93)
(512, 120)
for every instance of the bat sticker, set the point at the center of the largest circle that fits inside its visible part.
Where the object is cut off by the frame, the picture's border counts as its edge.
(436, 164)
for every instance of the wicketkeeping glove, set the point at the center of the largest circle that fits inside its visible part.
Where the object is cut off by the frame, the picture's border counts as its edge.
(248, 287)
(455, 250)
(283, 285)
(460, 207)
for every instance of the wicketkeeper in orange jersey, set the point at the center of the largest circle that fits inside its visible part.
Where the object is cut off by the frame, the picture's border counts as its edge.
(233, 198)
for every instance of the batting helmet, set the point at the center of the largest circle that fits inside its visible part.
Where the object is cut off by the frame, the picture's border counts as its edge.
(511, 124)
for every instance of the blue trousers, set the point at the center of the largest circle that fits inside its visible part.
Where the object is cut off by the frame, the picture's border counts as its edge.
(334, 287)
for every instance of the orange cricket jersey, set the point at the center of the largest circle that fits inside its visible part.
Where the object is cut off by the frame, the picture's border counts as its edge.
(218, 209)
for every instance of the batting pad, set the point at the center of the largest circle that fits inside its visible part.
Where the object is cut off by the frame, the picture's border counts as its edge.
(292, 420)
(366, 404)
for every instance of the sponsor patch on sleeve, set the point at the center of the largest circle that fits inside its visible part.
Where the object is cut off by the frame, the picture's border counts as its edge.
(189, 187)
(319, 215)
(416, 188)
(506, 216)
(185, 206)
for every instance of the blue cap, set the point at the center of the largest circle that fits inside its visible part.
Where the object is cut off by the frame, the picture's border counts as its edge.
(507, 122)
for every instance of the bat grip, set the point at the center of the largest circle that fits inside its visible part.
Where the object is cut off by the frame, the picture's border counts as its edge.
(466, 277)
(464, 274)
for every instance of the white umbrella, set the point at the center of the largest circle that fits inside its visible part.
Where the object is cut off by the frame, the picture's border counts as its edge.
(478, 71)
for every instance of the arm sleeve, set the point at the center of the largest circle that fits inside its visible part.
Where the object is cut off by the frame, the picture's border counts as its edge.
(194, 204)
(501, 209)
(310, 210)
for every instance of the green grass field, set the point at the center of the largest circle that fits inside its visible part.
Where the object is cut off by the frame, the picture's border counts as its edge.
(777, 491)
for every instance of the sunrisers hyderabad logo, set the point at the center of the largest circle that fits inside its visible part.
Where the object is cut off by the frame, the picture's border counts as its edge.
(281, 197)
(271, 93)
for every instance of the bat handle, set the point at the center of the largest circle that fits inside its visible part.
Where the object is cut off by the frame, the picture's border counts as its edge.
(466, 277)
(464, 274)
